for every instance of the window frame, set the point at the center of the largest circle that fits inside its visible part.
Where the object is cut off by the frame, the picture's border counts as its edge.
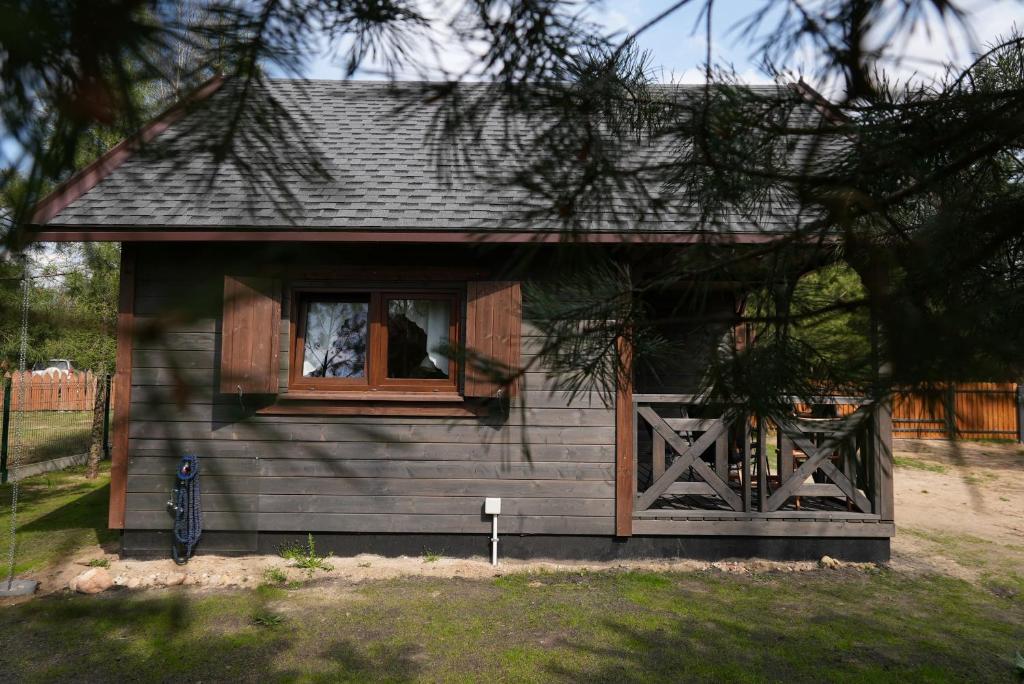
(375, 380)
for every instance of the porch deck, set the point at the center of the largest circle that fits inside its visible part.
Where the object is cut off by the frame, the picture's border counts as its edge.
(701, 469)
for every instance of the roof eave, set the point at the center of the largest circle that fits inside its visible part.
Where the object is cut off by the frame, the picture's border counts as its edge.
(108, 234)
(87, 178)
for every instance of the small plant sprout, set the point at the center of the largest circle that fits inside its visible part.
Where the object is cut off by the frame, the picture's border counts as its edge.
(430, 556)
(265, 618)
(99, 563)
(305, 556)
(274, 576)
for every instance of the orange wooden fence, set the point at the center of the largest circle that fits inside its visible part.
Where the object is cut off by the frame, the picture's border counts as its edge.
(53, 391)
(977, 410)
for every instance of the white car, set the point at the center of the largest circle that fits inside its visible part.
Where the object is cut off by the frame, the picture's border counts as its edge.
(53, 367)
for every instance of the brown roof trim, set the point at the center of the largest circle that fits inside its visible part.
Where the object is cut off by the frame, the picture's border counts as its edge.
(419, 236)
(83, 181)
(821, 103)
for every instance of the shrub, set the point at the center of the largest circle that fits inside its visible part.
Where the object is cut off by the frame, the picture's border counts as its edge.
(305, 556)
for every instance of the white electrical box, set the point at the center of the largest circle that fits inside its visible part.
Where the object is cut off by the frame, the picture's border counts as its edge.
(492, 506)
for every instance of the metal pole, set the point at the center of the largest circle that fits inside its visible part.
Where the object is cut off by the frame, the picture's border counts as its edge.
(6, 429)
(494, 540)
(106, 417)
(950, 405)
(1020, 413)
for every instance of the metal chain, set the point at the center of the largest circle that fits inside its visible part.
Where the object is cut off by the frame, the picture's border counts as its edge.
(16, 461)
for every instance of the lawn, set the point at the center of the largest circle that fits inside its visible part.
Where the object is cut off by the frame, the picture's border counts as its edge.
(849, 625)
(59, 513)
(840, 626)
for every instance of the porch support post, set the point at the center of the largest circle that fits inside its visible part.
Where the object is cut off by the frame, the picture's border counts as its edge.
(625, 489)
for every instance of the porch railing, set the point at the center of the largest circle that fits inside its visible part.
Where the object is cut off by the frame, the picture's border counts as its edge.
(693, 458)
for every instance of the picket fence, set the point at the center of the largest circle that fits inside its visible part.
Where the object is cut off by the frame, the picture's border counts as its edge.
(52, 391)
(976, 410)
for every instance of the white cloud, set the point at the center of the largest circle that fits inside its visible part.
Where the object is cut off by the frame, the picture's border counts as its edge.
(922, 54)
(437, 53)
(678, 51)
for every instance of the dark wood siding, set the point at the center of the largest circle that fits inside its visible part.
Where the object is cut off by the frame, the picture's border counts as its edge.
(696, 340)
(550, 459)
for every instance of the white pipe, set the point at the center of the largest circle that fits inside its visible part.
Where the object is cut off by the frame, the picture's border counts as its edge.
(494, 540)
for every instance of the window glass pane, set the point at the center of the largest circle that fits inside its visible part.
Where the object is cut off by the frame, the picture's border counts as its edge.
(336, 338)
(417, 328)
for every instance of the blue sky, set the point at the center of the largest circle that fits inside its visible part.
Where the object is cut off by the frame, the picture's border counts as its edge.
(677, 43)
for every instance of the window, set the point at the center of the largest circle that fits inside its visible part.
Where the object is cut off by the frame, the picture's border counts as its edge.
(374, 341)
(336, 336)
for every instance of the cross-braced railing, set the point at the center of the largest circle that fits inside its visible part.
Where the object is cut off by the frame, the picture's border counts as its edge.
(692, 455)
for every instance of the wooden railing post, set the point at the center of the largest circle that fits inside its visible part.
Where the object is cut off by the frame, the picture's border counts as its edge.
(745, 432)
(882, 456)
(762, 466)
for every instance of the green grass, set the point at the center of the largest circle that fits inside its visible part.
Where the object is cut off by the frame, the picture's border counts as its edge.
(265, 618)
(59, 513)
(917, 464)
(52, 434)
(274, 576)
(840, 626)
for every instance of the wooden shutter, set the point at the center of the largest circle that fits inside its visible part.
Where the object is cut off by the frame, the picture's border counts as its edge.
(493, 328)
(250, 341)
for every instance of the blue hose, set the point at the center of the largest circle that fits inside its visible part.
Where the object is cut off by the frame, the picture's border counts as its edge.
(188, 511)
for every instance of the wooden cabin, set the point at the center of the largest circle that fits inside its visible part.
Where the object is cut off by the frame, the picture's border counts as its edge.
(280, 318)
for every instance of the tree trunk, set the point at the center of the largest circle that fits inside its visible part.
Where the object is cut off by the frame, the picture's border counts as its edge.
(98, 416)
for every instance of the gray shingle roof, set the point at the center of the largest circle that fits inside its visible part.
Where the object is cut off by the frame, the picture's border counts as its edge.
(356, 156)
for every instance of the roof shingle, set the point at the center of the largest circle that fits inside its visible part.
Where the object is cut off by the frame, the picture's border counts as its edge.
(356, 156)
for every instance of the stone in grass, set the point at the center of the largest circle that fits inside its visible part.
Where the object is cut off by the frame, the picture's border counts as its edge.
(92, 581)
(175, 579)
(829, 562)
(18, 587)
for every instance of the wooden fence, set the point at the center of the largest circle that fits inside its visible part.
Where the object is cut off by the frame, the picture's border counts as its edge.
(53, 391)
(977, 410)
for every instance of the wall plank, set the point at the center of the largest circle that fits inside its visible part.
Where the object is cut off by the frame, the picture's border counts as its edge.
(551, 458)
(327, 451)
